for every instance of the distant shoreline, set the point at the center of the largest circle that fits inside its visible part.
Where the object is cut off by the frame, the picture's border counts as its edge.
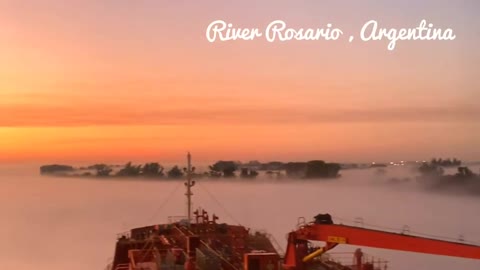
(220, 169)
(428, 175)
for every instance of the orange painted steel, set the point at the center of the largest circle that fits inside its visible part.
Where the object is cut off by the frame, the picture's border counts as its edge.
(387, 240)
(298, 255)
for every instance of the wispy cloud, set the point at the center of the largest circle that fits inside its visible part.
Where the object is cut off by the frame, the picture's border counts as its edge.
(99, 115)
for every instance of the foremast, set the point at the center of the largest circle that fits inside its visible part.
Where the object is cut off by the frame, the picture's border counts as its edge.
(189, 184)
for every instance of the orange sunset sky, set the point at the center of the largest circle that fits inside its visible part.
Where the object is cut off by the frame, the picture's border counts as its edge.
(137, 80)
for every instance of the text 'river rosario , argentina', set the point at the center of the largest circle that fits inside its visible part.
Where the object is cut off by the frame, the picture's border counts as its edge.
(279, 31)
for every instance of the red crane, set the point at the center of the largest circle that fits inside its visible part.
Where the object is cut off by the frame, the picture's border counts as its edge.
(298, 254)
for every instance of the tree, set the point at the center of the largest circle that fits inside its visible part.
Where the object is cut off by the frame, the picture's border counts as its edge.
(248, 173)
(312, 169)
(333, 169)
(175, 173)
(295, 169)
(253, 173)
(430, 169)
(102, 169)
(55, 168)
(320, 169)
(229, 171)
(254, 163)
(464, 172)
(456, 162)
(130, 170)
(227, 168)
(273, 166)
(152, 169)
(446, 162)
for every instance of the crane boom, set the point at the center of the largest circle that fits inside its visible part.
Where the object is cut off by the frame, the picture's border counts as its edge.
(342, 234)
(298, 255)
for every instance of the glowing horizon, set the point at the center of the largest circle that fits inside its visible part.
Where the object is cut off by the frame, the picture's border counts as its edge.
(120, 81)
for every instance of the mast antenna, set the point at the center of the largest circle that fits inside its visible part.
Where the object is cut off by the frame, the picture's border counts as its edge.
(189, 184)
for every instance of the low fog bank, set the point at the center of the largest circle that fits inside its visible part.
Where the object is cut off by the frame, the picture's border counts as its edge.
(451, 180)
(72, 223)
(446, 176)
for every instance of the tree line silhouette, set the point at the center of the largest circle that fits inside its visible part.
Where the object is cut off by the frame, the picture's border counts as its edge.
(433, 174)
(220, 169)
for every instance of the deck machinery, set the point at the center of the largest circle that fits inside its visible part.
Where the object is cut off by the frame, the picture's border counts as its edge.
(300, 255)
(204, 244)
(199, 242)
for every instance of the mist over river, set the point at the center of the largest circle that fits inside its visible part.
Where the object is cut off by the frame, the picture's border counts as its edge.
(72, 223)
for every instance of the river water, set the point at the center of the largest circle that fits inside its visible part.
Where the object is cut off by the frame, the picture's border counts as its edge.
(67, 223)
